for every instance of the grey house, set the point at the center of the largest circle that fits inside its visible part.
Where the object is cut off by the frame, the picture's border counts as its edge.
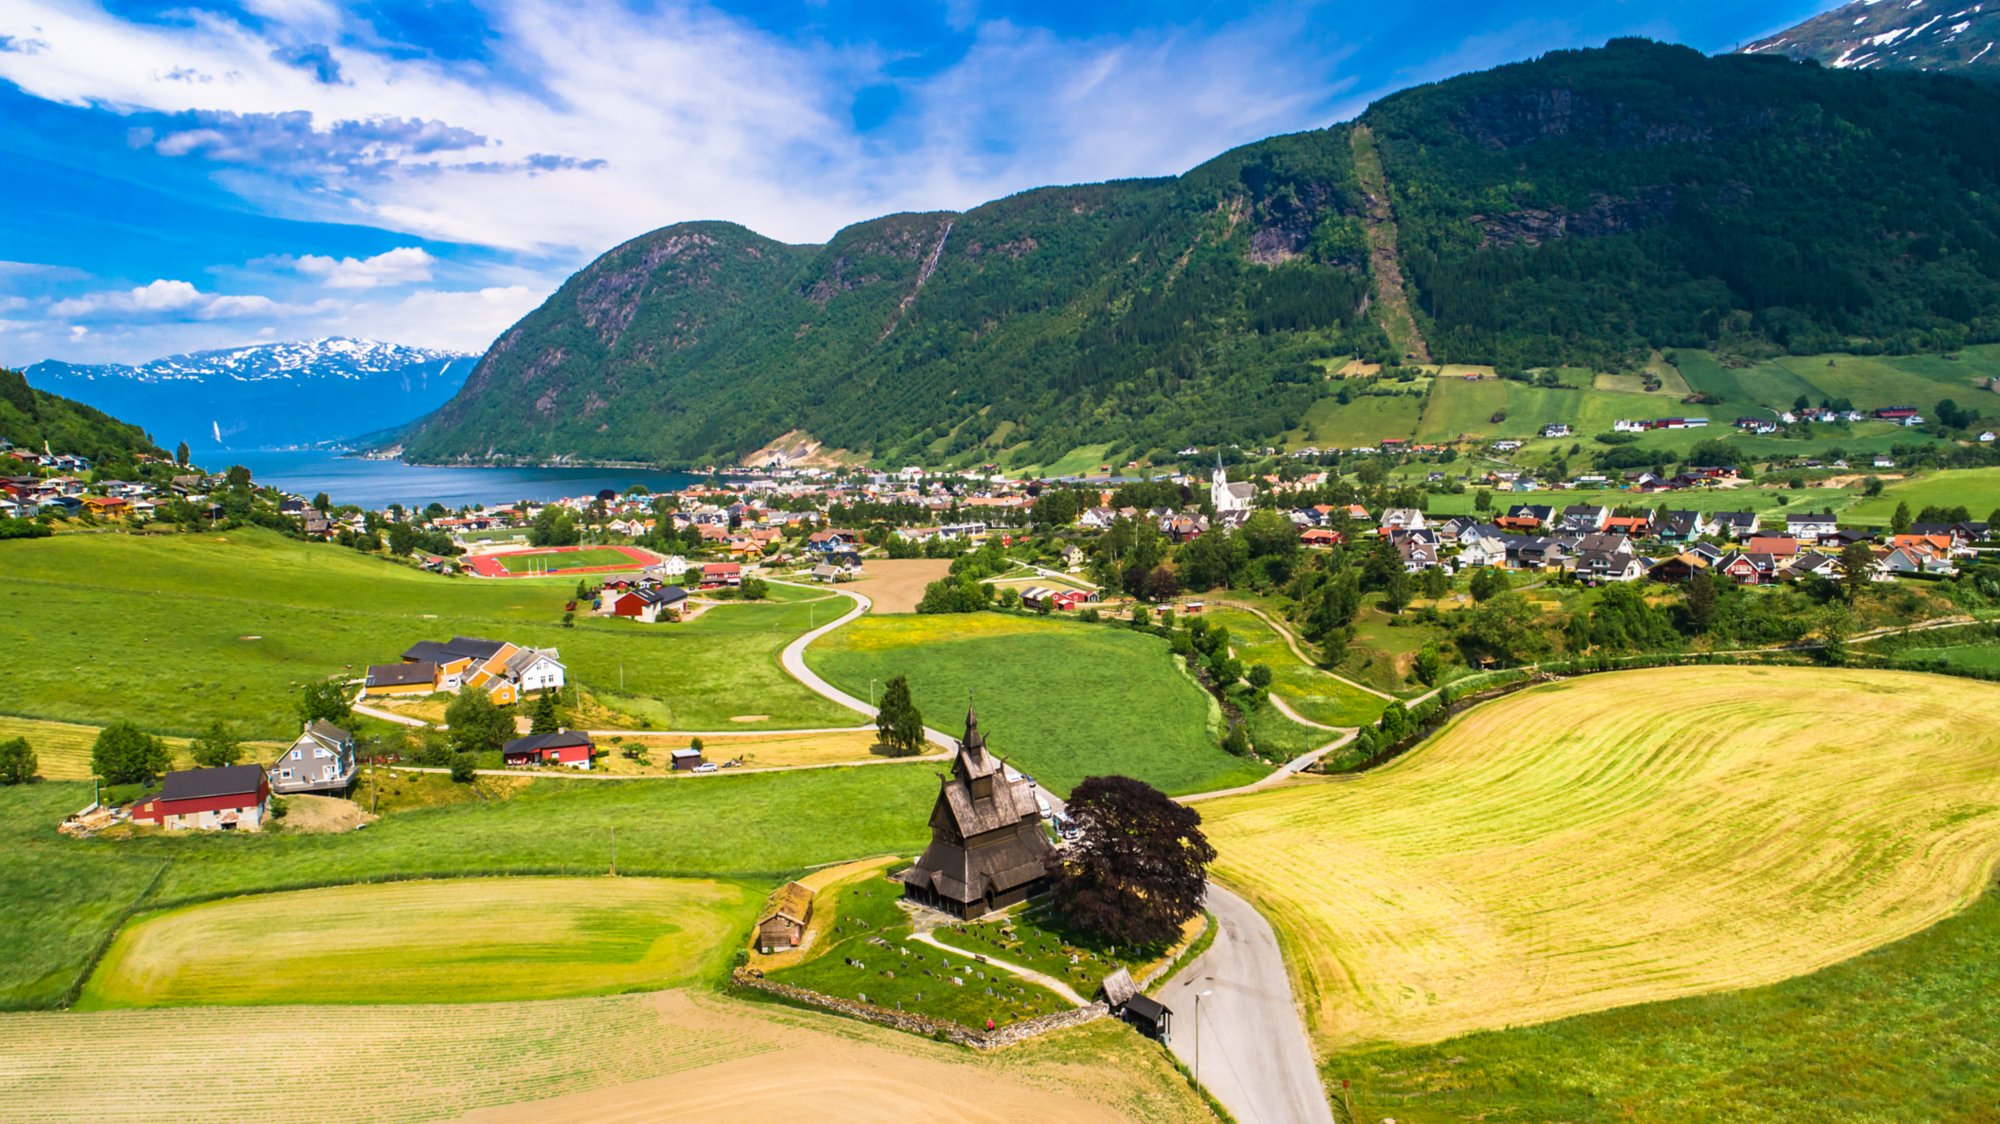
(320, 760)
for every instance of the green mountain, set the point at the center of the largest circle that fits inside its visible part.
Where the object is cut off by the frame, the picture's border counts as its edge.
(1584, 208)
(1938, 35)
(30, 418)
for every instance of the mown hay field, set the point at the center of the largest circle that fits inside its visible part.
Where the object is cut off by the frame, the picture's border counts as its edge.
(461, 940)
(1621, 839)
(672, 1055)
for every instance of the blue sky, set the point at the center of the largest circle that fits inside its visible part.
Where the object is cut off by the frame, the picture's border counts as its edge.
(199, 175)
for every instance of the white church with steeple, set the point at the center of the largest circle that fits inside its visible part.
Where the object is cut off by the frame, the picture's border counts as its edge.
(1231, 501)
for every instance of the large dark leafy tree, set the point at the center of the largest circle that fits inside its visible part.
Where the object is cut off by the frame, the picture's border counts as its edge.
(17, 761)
(324, 700)
(476, 725)
(900, 724)
(1141, 867)
(125, 754)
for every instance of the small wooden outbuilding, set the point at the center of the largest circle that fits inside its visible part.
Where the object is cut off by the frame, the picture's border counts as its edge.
(783, 923)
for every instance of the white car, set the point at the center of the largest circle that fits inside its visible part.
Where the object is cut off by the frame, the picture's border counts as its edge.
(1042, 803)
(705, 767)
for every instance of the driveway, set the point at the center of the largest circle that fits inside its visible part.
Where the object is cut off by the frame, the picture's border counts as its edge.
(1255, 1057)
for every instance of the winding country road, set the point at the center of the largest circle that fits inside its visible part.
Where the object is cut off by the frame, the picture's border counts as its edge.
(1254, 1054)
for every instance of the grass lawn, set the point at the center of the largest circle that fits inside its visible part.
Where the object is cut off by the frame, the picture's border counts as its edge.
(867, 956)
(1307, 689)
(461, 940)
(1621, 839)
(1901, 1033)
(59, 896)
(557, 562)
(1062, 700)
(1365, 420)
(1978, 489)
(1032, 937)
(172, 631)
(1383, 652)
(760, 751)
(62, 749)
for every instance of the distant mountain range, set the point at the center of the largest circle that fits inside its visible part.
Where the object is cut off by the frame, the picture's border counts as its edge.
(268, 395)
(1583, 209)
(1948, 36)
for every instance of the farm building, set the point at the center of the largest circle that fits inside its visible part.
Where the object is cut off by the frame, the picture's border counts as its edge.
(505, 672)
(564, 747)
(1059, 600)
(783, 923)
(987, 847)
(418, 678)
(230, 798)
(685, 759)
(647, 605)
(321, 759)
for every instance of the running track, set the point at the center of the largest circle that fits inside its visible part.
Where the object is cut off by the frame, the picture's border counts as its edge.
(490, 566)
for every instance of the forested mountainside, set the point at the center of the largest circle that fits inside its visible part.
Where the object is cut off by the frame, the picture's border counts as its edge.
(1582, 208)
(29, 418)
(1952, 36)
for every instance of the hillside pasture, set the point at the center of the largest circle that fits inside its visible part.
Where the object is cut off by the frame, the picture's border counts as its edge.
(174, 631)
(1308, 690)
(1365, 420)
(1978, 489)
(675, 1055)
(1621, 839)
(1062, 700)
(458, 940)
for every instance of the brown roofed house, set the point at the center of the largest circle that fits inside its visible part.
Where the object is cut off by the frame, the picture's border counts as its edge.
(783, 923)
(988, 850)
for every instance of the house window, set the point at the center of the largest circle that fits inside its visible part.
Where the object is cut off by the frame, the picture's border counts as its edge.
(284, 774)
(295, 755)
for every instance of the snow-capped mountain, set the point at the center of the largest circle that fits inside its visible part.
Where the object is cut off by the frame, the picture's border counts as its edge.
(267, 395)
(1942, 35)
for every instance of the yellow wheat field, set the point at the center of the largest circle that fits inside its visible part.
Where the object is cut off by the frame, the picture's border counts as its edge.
(1621, 839)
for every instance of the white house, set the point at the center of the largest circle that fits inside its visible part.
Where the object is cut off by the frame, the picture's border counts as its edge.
(536, 669)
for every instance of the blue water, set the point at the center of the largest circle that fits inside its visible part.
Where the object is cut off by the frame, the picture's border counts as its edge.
(376, 484)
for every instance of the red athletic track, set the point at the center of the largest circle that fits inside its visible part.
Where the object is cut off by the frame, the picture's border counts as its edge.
(488, 565)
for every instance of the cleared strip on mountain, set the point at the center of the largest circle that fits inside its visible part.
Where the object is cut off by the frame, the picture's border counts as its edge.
(663, 1056)
(426, 941)
(1621, 839)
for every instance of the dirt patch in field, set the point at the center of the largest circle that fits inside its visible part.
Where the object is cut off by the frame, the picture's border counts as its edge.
(749, 718)
(895, 585)
(322, 815)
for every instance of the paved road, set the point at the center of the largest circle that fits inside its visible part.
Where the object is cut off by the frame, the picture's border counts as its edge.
(1255, 1057)
(793, 659)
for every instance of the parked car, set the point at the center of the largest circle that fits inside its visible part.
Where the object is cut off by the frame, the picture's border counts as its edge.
(705, 767)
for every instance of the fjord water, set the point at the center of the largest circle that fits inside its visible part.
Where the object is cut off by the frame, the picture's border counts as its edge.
(376, 484)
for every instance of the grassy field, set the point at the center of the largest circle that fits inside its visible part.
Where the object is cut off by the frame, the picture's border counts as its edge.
(557, 562)
(1869, 381)
(674, 1055)
(460, 940)
(758, 751)
(1308, 690)
(1621, 839)
(173, 631)
(1363, 421)
(1978, 489)
(1903, 1033)
(58, 897)
(1062, 700)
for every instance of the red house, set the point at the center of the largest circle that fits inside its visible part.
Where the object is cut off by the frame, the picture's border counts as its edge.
(564, 747)
(716, 575)
(230, 798)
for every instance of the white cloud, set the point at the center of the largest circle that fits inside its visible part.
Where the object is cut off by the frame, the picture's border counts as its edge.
(400, 266)
(455, 321)
(178, 299)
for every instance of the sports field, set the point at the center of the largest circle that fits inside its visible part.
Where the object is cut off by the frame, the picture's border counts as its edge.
(450, 941)
(1062, 700)
(558, 561)
(1621, 839)
(174, 631)
(675, 1055)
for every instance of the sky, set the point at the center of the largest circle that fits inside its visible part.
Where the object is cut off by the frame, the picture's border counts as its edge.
(176, 177)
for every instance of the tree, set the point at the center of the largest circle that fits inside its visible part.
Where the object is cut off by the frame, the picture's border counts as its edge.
(324, 700)
(545, 717)
(1260, 676)
(1700, 603)
(17, 760)
(1900, 521)
(1482, 501)
(216, 747)
(181, 454)
(1872, 487)
(464, 767)
(1140, 869)
(238, 478)
(475, 725)
(1485, 583)
(1396, 591)
(1213, 559)
(1236, 742)
(125, 754)
(1857, 569)
(553, 525)
(898, 723)
(753, 589)
(322, 503)
(1429, 665)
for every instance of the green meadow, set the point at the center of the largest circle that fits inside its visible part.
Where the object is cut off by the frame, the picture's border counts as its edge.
(174, 631)
(1976, 489)
(1905, 1032)
(1306, 689)
(1062, 700)
(59, 896)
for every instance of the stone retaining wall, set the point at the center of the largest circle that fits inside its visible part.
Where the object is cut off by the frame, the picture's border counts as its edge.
(913, 1023)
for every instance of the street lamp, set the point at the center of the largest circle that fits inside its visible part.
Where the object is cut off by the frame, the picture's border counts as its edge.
(1198, 997)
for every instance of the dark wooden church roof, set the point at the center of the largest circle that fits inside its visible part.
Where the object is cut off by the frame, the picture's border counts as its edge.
(986, 831)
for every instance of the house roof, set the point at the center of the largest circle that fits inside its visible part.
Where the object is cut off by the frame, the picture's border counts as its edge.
(535, 743)
(453, 650)
(326, 733)
(401, 674)
(793, 902)
(202, 784)
(1118, 988)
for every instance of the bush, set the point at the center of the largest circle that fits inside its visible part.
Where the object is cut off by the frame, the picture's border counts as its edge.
(464, 767)
(17, 761)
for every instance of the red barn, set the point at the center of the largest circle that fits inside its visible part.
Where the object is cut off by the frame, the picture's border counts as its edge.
(230, 798)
